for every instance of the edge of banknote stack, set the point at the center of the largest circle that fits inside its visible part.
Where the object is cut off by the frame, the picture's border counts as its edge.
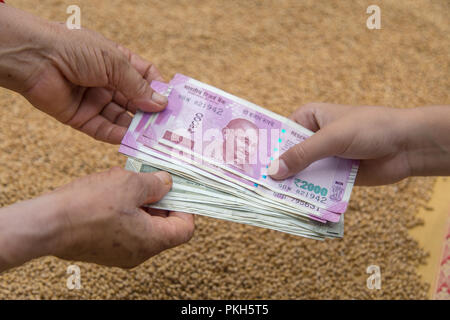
(310, 204)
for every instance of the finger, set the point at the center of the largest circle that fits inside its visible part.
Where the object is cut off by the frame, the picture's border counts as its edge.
(155, 186)
(314, 116)
(88, 119)
(123, 77)
(305, 116)
(389, 169)
(182, 215)
(145, 68)
(116, 114)
(157, 212)
(324, 143)
(149, 75)
(124, 120)
(120, 99)
(92, 103)
(365, 175)
(176, 229)
(102, 129)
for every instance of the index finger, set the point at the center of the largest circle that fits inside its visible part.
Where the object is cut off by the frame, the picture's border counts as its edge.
(175, 229)
(145, 68)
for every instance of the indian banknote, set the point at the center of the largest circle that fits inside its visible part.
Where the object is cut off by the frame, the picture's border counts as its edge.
(202, 124)
(192, 197)
(226, 144)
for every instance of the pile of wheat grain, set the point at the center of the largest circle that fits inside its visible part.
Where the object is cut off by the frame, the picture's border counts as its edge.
(278, 54)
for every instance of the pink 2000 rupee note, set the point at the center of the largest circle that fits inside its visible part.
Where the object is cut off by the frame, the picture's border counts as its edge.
(134, 145)
(300, 208)
(198, 121)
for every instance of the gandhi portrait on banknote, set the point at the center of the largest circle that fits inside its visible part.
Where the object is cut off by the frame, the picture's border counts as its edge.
(240, 145)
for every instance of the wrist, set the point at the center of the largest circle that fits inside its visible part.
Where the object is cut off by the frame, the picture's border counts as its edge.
(25, 48)
(427, 140)
(30, 229)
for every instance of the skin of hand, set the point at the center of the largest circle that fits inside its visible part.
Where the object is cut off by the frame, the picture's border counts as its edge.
(77, 76)
(92, 84)
(98, 218)
(391, 143)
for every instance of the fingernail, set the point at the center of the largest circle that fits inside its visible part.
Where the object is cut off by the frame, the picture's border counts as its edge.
(278, 169)
(164, 177)
(159, 98)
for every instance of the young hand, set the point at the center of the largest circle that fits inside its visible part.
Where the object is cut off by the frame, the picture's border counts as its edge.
(391, 143)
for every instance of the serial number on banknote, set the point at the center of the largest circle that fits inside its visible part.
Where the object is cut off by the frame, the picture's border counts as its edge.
(201, 104)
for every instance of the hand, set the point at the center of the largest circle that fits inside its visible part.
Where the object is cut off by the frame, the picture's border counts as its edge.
(77, 76)
(98, 218)
(376, 135)
(103, 220)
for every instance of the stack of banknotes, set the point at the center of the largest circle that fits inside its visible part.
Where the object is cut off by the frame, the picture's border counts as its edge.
(219, 147)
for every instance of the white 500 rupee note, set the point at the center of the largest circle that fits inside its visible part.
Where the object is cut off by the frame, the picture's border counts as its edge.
(189, 196)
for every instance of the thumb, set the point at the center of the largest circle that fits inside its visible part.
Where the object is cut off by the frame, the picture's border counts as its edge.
(124, 78)
(324, 143)
(156, 185)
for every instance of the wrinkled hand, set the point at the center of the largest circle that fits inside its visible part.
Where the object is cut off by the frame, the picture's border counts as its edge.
(102, 220)
(90, 83)
(372, 134)
(77, 76)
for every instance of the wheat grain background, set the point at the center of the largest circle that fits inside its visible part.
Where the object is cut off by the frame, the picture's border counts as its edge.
(278, 54)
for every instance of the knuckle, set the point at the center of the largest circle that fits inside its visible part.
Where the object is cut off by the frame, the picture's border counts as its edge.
(117, 171)
(299, 153)
(115, 64)
(163, 242)
(129, 266)
(125, 51)
(141, 88)
(127, 179)
(133, 180)
(153, 190)
(151, 195)
(121, 60)
(304, 111)
(312, 105)
(120, 65)
(189, 233)
(182, 236)
(144, 253)
(171, 239)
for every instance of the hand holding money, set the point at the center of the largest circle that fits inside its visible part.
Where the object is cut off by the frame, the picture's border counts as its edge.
(77, 76)
(60, 73)
(392, 143)
(345, 131)
(220, 147)
(223, 174)
(97, 219)
(105, 222)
